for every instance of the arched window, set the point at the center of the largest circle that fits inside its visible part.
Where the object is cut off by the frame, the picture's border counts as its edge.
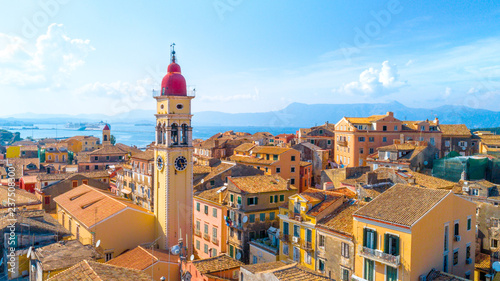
(174, 134)
(184, 134)
(105, 137)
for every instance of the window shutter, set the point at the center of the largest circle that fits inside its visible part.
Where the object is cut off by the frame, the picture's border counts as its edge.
(375, 238)
(397, 246)
(364, 237)
(386, 243)
(342, 250)
(248, 201)
(256, 200)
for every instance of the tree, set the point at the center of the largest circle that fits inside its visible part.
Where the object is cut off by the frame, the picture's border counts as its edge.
(112, 140)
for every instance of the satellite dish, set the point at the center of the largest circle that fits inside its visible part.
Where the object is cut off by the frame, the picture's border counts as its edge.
(98, 243)
(191, 258)
(425, 162)
(175, 250)
(245, 219)
(29, 253)
(238, 256)
(202, 180)
(496, 266)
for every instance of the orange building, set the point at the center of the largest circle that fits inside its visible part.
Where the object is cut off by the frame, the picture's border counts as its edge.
(358, 137)
(219, 268)
(281, 161)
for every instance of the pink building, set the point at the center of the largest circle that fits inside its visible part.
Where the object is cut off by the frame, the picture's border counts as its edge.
(210, 231)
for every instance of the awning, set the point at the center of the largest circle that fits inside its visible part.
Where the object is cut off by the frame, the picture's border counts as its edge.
(126, 191)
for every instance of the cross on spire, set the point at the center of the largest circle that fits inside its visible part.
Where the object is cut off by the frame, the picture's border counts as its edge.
(172, 47)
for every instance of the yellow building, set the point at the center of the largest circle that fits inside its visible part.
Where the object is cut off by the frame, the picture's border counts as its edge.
(56, 154)
(284, 162)
(173, 150)
(298, 223)
(92, 215)
(13, 152)
(407, 231)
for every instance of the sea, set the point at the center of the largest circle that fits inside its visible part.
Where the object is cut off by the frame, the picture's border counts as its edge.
(132, 134)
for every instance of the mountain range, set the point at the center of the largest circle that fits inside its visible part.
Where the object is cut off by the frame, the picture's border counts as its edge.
(294, 115)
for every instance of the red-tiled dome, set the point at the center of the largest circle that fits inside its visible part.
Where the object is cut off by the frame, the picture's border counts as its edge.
(173, 84)
(106, 128)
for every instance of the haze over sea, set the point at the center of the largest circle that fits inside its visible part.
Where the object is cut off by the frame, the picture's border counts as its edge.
(140, 136)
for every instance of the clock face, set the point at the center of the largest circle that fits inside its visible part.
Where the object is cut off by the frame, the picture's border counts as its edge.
(159, 163)
(180, 163)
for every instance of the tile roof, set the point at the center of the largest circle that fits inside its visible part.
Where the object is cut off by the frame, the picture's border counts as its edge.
(454, 130)
(29, 148)
(62, 176)
(299, 272)
(29, 179)
(304, 163)
(427, 181)
(402, 204)
(490, 139)
(215, 264)
(129, 149)
(147, 155)
(436, 275)
(340, 220)
(261, 183)
(214, 171)
(201, 169)
(38, 220)
(64, 254)
(22, 197)
(245, 147)
(95, 271)
(268, 266)
(365, 120)
(90, 205)
(251, 160)
(108, 150)
(269, 150)
(483, 262)
(140, 258)
(211, 194)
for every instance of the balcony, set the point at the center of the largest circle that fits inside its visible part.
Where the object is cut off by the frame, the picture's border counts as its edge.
(285, 237)
(342, 143)
(206, 236)
(191, 92)
(380, 256)
(197, 232)
(295, 216)
(296, 240)
(215, 241)
(307, 246)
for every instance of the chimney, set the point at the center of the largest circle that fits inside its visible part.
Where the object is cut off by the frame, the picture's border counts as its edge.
(288, 184)
(390, 113)
(371, 178)
(436, 121)
(221, 198)
(401, 138)
(216, 143)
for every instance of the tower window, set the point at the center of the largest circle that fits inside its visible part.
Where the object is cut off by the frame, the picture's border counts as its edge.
(180, 106)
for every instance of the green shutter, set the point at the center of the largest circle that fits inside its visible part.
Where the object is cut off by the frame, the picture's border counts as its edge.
(364, 237)
(375, 238)
(397, 246)
(271, 199)
(248, 201)
(386, 243)
(256, 201)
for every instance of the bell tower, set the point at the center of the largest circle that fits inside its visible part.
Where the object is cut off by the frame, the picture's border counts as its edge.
(173, 179)
(106, 136)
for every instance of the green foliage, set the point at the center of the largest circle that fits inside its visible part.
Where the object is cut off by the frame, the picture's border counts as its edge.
(7, 137)
(113, 139)
(495, 130)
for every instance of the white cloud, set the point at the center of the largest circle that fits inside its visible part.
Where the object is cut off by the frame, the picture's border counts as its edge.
(447, 92)
(374, 82)
(47, 63)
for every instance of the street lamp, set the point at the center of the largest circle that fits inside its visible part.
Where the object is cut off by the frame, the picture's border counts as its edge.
(181, 250)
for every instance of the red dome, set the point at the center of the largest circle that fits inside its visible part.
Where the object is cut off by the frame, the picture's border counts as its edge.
(106, 128)
(173, 84)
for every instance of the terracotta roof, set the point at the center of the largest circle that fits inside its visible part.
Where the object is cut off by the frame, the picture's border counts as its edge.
(245, 147)
(483, 262)
(108, 150)
(402, 204)
(147, 155)
(490, 139)
(268, 266)
(90, 271)
(427, 181)
(455, 130)
(436, 275)
(140, 258)
(340, 220)
(251, 160)
(261, 183)
(214, 171)
(201, 169)
(365, 120)
(90, 205)
(397, 147)
(269, 150)
(211, 194)
(299, 272)
(29, 179)
(64, 254)
(130, 149)
(262, 134)
(38, 220)
(62, 176)
(22, 197)
(216, 264)
(304, 163)
(29, 148)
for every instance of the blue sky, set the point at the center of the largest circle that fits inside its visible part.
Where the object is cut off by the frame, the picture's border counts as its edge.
(66, 56)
